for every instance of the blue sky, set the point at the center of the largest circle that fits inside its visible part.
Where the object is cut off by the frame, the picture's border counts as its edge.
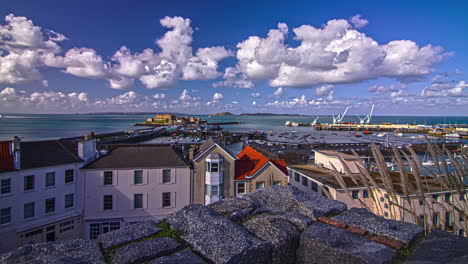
(406, 57)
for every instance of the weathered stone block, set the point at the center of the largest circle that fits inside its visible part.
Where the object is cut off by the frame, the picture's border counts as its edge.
(301, 222)
(146, 250)
(440, 247)
(76, 251)
(322, 243)
(217, 238)
(182, 257)
(128, 234)
(360, 217)
(230, 205)
(290, 198)
(280, 233)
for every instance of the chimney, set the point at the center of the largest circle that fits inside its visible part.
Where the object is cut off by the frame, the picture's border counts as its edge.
(16, 151)
(87, 148)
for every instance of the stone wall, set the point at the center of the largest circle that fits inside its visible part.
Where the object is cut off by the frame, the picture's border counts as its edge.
(272, 225)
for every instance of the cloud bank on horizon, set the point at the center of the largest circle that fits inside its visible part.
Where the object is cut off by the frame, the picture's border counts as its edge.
(305, 57)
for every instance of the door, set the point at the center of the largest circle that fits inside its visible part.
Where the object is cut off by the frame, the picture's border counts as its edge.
(50, 236)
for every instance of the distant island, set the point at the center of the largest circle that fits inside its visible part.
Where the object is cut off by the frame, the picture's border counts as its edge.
(270, 114)
(222, 114)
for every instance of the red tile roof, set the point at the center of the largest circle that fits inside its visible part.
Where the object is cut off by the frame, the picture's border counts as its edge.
(251, 161)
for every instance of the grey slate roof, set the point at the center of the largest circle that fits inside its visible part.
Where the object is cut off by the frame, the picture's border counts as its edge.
(139, 157)
(37, 154)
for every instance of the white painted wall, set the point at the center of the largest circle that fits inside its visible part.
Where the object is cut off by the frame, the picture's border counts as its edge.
(19, 197)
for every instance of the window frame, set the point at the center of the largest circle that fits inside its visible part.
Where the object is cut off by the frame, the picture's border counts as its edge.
(262, 185)
(106, 202)
(46, 184)
(355, 194)
(140, 201)
(314, 186)
(67, 176)
(166, 200)
(140, 177)
(164, 176)
(304, 181)
(3, 186)
(3, 216)
(46, 206)
(67, 201)
(238, 184)
(26, 184)
(365, 193)
(105, 176)
(33, 210)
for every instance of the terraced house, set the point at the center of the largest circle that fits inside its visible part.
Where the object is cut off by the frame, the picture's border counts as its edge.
(133, 184)
(40, 190)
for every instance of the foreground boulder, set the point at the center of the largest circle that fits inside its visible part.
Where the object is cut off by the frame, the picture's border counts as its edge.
(217, 238)
(128, 234)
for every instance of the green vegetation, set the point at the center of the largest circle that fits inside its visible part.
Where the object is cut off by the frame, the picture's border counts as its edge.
(167, 231)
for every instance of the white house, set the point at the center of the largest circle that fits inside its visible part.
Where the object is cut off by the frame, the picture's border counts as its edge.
(330, 159)
(40, 190)
(133, 184)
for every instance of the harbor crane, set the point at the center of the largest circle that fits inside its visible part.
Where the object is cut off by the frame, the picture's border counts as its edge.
(339, 118)
(315, 121)
(366, 120)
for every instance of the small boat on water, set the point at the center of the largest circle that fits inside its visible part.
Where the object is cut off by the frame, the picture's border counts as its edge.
(367, 132)
(398, 134)
(382, 134)
(357, 135)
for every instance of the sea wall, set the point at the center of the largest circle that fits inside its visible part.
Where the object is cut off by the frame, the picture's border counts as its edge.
(272, 225)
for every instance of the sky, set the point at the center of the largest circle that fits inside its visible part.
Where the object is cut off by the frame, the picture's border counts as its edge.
(199, 57)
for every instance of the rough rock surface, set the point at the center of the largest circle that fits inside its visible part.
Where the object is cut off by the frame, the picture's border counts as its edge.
(280, 233)
(77, 251)
(182, 257)
(128, 234)
(360, 217)
(146, 250)
(290, 198)
(440, 247)
(322, 243)
(218, 238)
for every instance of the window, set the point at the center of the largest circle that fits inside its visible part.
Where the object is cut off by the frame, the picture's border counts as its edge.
(355, 194)
(461, 232)
(365, 194)
(28, 210)
(386, 196)
(214, 190)
(448, 218)
(166, 176)
(107, 202)
(448, 197)
(5, 187)
(304, 181)
(462, 197)
(166, 199)
(296, 176)
(325, 190)
(214, 167)
(5, 216)
(382, 199)
(50, 205)
(435, 219)
(96, 229)
(69, 200)
(28, 182)
(240, 187)
(276, 183)
(385, 214)
(138, 201)
(69, 176)
(67, 226)
(386, 206)
(138, 177)
(260, 185)
(108, 178)
(461, 219)
(50, 179)
(421, 202)
(421, 220)
(314, 186)
(435, 197)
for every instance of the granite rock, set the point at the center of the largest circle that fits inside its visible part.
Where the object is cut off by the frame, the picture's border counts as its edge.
(128, 234)
(182, 257)
(230, 205)
(145, 250)
(291, 199)
(440, 247)
(360, 217)
(218, 238)
(322, 243)
(280, 233)
(77, 251)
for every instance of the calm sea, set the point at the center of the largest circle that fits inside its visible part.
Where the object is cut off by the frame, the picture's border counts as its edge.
(39, 127)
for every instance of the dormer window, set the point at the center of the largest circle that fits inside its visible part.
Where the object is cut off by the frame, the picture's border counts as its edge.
(214, 167)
